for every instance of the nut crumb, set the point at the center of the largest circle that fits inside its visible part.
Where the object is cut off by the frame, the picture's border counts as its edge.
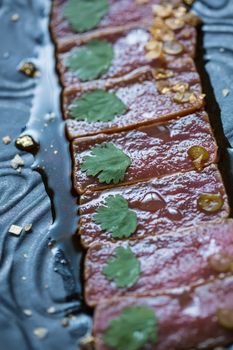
(28, 227)
(225, 92)
(6, 140)
(15, 230)
(40, 332)
(27, 312)
(25, 141)
(17, 162)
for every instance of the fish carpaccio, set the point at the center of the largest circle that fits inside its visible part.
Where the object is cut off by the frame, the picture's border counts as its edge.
(146, 144)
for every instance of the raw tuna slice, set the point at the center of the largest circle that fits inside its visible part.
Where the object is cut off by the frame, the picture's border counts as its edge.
(200, 318)
(174, 261)
(167, 204)
(154, 150)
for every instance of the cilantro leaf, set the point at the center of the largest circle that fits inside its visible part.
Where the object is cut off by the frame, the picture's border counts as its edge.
(116, 217)
(92, 60)
(136, 326)
(108, 162)
(97, 106)
(84, 15)
(123, 269)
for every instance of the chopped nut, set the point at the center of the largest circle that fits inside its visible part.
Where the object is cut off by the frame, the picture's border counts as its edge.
(225, 317)
(192, 19)
(160, 31)
(225, 92)
(27, 312)
(28, 227)
(6, 140)
(185, 97)
(180, 87)
(163, 87)
(174, 23)
(180, 12)
(160, 74)
(40, 332)
(15, 17)
(155, 53)
(15, 230)
(87, 343)
(162, 11)
(29, 69)
(51, 310)
(25, 141)
(17, 162)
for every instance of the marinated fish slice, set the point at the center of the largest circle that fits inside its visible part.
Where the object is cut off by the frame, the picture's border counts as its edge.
(154, 150)
(146, 101)
(129, 53)
(173, 261)
(120, 12)
(161, 205)
(200, 318)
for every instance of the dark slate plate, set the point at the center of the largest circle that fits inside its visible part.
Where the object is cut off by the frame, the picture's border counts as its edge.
(43, 269)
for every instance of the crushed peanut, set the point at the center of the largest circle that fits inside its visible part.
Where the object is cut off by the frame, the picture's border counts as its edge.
(25, 141)
(180, 87)
(175, 23)
(160, 74)
(162, 11)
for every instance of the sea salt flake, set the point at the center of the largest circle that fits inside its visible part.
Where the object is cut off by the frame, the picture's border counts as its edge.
(15, 230)
(17, 162)
(51, 310)
(225, 92)
(15, 17)
(28, 227)
(27, 312)
(6, 140)
(40, 332)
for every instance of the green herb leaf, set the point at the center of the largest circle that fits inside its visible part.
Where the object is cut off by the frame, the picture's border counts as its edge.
(136, 326)
(84, 15)
(116, 217)
(92, 60)
(123, 269)
(108, 162)
(97, 106)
